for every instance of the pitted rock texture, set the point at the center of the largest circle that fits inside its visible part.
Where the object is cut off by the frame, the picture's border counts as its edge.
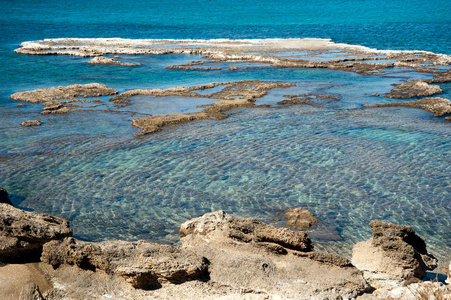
(23, 233)
(299, 219)
(247, 230)
(247, 253)
(414, 88)
(143, 264)
(102, 60)
(4, 197)
(394, 253)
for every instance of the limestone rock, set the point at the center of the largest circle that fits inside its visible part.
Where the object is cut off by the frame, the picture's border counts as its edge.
(414, 88)
(23, 233)
(102, 60)
(247, 230)
(394, 254)
(143, 264)
(249, 254)
(4, 198)
(30, 292)
(31, 123)
(300, 219)
(448, 280)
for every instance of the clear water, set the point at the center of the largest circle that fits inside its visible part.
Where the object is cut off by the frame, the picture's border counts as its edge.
(346, 164)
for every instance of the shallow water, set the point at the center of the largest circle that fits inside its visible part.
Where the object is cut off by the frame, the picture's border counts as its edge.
(346, 164)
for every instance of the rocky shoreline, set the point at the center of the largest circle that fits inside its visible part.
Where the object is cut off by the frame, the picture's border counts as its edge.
(220, 257)
(280, 53)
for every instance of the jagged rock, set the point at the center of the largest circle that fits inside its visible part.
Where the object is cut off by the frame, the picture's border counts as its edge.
(101, 60)
(143, 264)
(414, 88)
(30, 292)
(31, 123)
(249, 254)
(23, 233)
(4, 197)
(448, 273)
(299, 219)
(394, 254)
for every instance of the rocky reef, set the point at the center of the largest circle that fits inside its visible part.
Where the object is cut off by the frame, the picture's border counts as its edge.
(31, 123)
(438, 106)
(219, 256)
(108, 61)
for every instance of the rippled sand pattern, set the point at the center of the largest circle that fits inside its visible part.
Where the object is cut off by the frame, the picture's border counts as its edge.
(346, 166)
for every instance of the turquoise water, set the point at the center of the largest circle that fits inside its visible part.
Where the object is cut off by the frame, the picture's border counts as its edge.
(346, 164)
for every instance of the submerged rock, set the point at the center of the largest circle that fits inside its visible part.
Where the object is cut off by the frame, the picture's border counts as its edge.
(299, 219)
(31, 123)
(394, 253)
(143, 264)
(23, 233)
(249, 254)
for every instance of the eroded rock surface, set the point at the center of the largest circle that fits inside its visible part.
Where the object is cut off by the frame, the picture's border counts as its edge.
(50, 98)
(299, 219)
(143, 264)
(248, 253)
(394, 253)
(102, 60)
(23, 233)
(438, 106)
(414, 88)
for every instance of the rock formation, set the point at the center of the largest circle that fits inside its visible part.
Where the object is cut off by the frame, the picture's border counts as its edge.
(143, 264)
(414, 88)
(300, 219)
(31, 123)
(247, 253)
(23, 233)
(394, 253)
(101, 60)
(438, 106)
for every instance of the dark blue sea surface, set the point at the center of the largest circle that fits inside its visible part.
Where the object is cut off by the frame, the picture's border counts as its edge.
(346, 164)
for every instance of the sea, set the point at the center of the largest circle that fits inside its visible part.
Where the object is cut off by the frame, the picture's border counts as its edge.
(346, 164)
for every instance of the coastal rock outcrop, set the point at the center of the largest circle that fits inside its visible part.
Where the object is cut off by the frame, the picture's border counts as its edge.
(4, 197)
(23, 233)
(31, 123)
(144, 265)
(414, 88)
(436, 105)
(102, 60)
(394, 253)
(299, 219)
(249, 253)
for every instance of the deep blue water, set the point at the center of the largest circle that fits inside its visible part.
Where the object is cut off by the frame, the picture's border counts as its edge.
(346, 164)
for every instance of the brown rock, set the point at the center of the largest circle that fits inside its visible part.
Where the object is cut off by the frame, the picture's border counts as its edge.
(394, 254)
(299, 219)
(31, 123)
(143, 264)
(249, 254)
(4, 197)
(23, 233)
(414, 88)
(30, 292)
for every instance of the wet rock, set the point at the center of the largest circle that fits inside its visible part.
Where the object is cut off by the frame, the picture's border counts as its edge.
(299, 219)
(143, 264)
(394, 253)
(4, 197)
(247, 253)
(31, 123)
(19, 105)
(101, 60)
(448, 273)
(414, 88)
(306, 99)
(233, 68)
(23, 233)
(436, 105)
(30, 292)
